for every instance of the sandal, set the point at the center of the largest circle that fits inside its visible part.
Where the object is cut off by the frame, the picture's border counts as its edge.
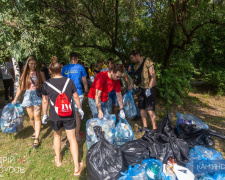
(58, 164)
(80, 170)
(36, 145)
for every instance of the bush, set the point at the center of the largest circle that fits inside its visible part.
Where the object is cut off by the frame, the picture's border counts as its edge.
(174, 83)
(216, 78)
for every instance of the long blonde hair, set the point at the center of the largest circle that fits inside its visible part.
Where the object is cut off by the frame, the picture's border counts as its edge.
(25, 77)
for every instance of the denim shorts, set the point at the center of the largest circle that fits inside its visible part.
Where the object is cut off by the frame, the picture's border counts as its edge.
(30, 98)
(113, 97)
(94, 110)
(81, 101)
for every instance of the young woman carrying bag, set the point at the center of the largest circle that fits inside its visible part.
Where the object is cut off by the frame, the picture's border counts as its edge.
(31, 101)
(59, 91)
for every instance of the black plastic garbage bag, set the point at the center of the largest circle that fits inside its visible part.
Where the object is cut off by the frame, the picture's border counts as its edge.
(104, 160)
(166, 144)
(198, 137)
(134, 152)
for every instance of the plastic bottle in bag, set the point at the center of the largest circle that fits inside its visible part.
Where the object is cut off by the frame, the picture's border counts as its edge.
(190, 119)
(123, 132)
(12, 118)
(129, 105)
(153, 168)
(135, 173)
(108, 126)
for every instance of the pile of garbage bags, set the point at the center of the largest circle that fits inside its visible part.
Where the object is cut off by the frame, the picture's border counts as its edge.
(161, 144)
(12, 118)
(118, 134)
(164, 153)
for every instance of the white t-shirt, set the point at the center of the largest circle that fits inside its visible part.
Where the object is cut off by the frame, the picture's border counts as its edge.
(6, 70)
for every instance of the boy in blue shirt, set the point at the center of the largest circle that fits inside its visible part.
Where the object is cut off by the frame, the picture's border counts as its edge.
(77, 73)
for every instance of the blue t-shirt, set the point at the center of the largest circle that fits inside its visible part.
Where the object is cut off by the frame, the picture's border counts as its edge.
(75, 72)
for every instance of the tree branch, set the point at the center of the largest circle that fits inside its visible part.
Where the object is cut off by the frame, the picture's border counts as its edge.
(116, 25)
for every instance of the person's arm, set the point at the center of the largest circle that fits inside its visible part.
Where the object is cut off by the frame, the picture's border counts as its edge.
(98, 103)
(126, 79)
(84, 80)
(131, 85)
(18, 92)
(120, 99)
(77, 100)
(153, 77)
(42, 77)
(44, 104)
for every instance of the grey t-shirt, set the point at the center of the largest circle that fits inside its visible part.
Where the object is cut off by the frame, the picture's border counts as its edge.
(6, 70)
(104, 69)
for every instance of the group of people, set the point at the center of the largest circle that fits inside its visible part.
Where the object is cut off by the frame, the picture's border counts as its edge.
(70, 82)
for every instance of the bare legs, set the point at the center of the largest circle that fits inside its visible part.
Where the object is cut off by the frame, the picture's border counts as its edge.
(77, 125)
(34, 113)
(73, 146)
(57, 145)
(144, 118)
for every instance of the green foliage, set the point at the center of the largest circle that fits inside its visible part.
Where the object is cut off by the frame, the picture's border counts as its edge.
(174, 83)
(97, 30)
(216, 78)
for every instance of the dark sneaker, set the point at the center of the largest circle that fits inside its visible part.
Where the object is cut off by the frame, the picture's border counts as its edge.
(136, 118)
(143, 130)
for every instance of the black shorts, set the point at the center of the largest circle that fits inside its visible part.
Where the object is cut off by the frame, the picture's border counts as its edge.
(67, 124)
(144, 102)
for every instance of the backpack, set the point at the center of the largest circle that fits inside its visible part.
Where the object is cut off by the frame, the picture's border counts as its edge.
(62, 103)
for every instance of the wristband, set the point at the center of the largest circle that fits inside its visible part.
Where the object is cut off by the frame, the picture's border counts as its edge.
(86, 92)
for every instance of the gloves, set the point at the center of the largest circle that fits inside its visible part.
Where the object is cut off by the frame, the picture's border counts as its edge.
(148, 92)
(81, 113)
(122, 114)
(45, 119)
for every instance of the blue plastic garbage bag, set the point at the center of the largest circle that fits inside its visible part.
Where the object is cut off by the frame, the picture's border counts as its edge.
(12, 118)
(135, 173)
(108, 126)
(129, 105)
(214, 177)
(190, 119)
(201, 153)
(123, 132)
(153, 168)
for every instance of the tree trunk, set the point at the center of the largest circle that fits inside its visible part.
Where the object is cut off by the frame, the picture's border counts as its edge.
(17, 75)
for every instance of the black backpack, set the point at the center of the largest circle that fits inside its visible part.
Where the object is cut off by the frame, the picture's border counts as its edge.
(137, 73)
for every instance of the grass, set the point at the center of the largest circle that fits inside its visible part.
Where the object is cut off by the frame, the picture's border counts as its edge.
(28, 163)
